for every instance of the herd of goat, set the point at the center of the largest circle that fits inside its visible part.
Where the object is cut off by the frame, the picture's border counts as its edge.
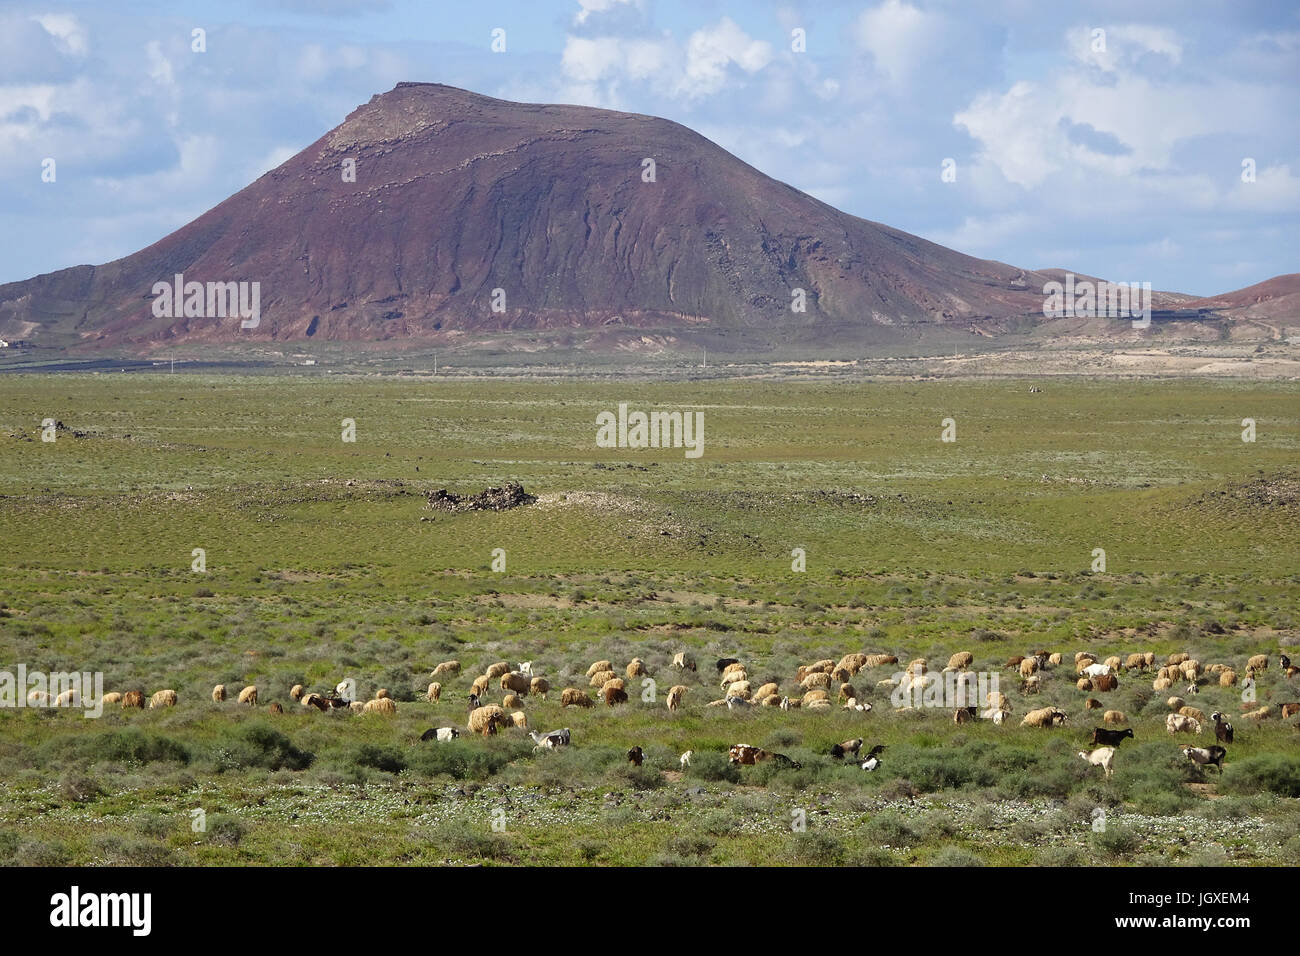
(815, 681)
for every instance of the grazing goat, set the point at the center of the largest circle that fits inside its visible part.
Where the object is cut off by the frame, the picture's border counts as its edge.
(847, 747)
(635, 756)
(746, 755)
(440, 733)
(685, 759)
(552, 739)
(684, 661)
(1111, 738)
(1211, 756)
(873, 757)
(726, 662)
(1103, 757)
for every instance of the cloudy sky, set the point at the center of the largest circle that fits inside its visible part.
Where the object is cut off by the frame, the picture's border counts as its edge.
(1116, 153)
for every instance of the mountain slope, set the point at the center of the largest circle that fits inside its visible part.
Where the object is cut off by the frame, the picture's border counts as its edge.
(458, 194)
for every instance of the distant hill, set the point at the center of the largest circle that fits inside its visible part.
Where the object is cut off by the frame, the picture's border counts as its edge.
(457, 195)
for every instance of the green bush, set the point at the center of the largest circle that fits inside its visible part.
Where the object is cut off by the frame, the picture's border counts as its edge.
(1275, 773)
(1117, 841)
(386, 759)
(891, 828)
(465, 760)
(712, 766)
(258, 745)
(131, 851)
(224, 829)
(818, 847)
(956, 856)
(9, 843)
(131, 745)
(687, 844)
(80, 788)
(468, 843)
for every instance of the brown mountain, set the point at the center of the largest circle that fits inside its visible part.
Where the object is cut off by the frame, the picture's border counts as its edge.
(457, 195)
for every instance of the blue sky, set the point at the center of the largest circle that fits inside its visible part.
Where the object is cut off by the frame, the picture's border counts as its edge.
(1124, 162)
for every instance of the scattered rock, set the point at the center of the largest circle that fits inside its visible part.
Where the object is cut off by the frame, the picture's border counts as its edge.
(511, 495)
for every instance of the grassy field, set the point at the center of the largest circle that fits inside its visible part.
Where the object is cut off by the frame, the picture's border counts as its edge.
(323, 560)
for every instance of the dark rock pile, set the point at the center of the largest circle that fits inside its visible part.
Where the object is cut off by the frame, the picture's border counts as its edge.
(512, 495)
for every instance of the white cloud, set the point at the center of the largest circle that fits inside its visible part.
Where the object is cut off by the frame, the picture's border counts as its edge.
(1126, 44)
(593, 67)
(710, 52)
(1015, 130)
(160, 68)
(588, 7)
(898, 36)
(69, 34)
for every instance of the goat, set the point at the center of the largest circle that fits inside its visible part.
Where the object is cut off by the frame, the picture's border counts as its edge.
(1211, 756)
(873, 757)
(1222, 729)
(1103, 757)
(551, 739)
(440, 733)
(847, 747)
(1110, 738)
